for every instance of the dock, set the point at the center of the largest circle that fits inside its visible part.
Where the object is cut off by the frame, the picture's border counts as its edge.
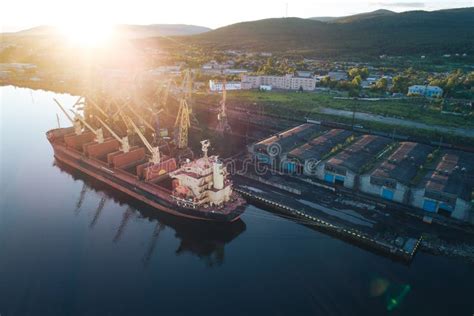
(402, 248)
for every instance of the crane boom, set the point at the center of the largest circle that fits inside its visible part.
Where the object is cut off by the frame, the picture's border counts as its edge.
(97, 107)
(141, 118)
(75, 122)
(123, 141)
(182, 124)
(98, 132)
(155, 151)
(64, 111)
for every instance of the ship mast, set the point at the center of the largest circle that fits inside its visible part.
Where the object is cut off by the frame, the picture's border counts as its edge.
(205, 145)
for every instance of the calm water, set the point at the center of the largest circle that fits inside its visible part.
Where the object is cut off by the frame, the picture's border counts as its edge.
(69, 246)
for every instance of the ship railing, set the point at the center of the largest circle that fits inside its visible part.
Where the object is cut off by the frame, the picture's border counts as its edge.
(183, 202)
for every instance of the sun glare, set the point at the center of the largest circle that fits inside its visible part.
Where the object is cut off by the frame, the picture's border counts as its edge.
(87, 34)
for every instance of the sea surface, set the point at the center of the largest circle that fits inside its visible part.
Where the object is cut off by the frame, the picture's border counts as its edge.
(71, 246)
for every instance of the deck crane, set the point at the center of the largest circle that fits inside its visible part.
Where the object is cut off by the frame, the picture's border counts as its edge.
(96, 106)
(78, 119)
(122, 140)
(155, 151)
(75, 122)
(141, 119)
(99, 134)
(182, 124)
(222, 122)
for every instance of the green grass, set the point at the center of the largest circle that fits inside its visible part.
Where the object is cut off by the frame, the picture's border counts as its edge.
(283, 103)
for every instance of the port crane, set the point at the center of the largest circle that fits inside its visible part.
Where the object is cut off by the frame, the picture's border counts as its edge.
(182, 124)
(222, 122)
(122, 140)
(155, 151)
(78, 119)
(187, 90)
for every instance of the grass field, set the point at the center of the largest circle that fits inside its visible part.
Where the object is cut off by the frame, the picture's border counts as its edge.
(282, 103)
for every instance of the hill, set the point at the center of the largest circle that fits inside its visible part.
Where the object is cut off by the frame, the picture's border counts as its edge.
(125, 30)
(413, 32)
(355, 17)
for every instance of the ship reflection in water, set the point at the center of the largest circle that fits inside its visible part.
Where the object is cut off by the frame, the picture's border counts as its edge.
(205, 240)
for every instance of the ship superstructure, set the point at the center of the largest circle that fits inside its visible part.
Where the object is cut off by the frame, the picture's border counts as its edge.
(203, 182)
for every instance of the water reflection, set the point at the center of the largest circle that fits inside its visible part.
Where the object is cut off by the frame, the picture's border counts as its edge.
(206, 240)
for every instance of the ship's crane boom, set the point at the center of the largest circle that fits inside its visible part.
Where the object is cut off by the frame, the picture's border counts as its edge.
(155, 151)
(75, 122)
(124, 141)
(95, 105)
(98, 132)
(141, 118)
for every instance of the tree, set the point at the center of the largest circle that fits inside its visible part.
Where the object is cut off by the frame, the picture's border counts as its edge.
(357, 81)
(381, 84)
(361, 72)
(400, 84)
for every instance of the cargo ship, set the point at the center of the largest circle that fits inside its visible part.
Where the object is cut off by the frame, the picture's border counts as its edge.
(197, 189)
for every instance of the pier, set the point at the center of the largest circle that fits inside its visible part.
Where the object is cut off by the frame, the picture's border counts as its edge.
(402, 248)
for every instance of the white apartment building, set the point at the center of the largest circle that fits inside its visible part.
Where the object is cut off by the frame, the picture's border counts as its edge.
(287, 82)
(218, 86)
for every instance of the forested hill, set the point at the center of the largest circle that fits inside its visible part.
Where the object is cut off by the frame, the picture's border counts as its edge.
(444, 31)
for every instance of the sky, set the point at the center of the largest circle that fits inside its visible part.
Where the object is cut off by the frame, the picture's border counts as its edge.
(21, 14)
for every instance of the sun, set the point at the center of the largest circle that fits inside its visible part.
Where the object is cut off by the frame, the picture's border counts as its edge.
(87, 34)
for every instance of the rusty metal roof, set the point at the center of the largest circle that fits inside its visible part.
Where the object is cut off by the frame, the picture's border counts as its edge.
(404, 163)
(355, 156)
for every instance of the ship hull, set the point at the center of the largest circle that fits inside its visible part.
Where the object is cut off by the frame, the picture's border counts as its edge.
(160, 200)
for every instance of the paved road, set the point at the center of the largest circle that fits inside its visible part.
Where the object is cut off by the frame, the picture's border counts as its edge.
(469, 132)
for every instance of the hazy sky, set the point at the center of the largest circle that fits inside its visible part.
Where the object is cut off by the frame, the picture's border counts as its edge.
(20, 14)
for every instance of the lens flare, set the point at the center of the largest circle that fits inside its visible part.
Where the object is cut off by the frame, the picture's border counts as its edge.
(87, 34)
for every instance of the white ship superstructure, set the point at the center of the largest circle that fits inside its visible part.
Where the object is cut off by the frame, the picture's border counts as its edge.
(202, 182)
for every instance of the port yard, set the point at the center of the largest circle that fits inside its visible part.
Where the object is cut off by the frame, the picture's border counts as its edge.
(321, 202)
(371, 222)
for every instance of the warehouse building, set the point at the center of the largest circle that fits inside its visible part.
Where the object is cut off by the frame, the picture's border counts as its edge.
(448, 189)
(305, 158)
(273, 150)
(392, 178)
(344, 167)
